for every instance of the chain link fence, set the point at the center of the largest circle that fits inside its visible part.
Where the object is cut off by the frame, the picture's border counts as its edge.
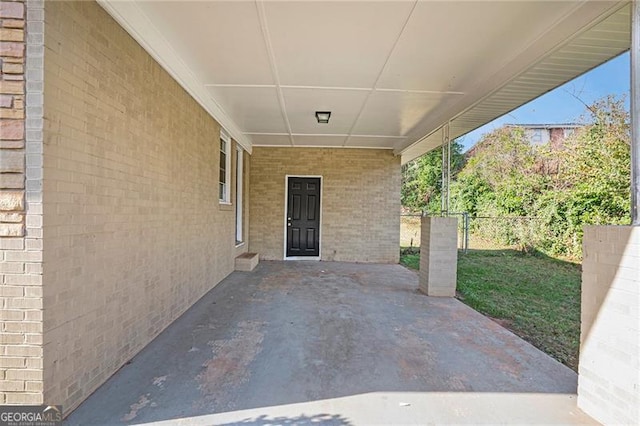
(410, 230)
(517, 232)
(410, 225)
(482, 232)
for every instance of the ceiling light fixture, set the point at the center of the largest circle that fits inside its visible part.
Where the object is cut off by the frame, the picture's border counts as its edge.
(323, 116)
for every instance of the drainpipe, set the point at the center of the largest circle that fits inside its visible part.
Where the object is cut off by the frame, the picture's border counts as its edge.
(635, 113)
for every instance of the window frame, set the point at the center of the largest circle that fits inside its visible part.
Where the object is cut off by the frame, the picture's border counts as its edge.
(239, 172)
(226, 188)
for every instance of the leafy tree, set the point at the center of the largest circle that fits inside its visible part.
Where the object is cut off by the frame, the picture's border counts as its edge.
(592, 183)
(561, 187)
(500, 175)
(422, 179)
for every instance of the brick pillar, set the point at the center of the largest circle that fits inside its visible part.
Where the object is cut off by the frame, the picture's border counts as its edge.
(439, 256)
(609, 368)
(21, 52)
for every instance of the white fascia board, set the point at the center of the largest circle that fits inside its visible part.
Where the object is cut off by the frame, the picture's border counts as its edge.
(139, 26)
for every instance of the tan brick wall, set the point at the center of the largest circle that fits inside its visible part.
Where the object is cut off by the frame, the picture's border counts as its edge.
(21, 29)
(360, 201)
(133, 231)
(609, 368)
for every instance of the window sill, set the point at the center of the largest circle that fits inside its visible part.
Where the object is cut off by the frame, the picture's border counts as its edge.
(225, 205)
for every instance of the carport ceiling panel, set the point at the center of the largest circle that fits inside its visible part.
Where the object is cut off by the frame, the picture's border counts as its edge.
(302, 103)
(332, 43)
(395, 113)
(471, 47)
(219, 40)
(449, 46)
(254, 109)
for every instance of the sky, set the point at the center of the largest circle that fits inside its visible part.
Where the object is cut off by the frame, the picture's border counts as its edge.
(560, 105)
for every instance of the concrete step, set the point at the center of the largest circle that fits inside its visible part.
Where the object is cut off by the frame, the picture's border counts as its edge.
(247, 262)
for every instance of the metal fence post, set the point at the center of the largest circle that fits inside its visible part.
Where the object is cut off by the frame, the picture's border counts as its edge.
(465, 216)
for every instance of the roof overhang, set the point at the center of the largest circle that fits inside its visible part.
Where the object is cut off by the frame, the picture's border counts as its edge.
(392, 72)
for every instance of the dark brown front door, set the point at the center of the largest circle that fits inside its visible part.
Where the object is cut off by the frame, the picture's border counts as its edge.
(303, 217)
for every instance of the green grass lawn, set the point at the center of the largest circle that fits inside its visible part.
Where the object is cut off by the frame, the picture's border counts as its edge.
(535, 296)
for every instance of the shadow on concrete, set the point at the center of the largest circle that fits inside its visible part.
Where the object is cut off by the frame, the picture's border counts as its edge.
(307, 332)
(318, 419)
(409, 408)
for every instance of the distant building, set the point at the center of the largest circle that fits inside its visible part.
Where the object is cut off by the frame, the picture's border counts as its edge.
(536, 134)
(539, 134)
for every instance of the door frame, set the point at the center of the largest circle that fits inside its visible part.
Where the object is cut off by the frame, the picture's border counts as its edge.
(286, 206)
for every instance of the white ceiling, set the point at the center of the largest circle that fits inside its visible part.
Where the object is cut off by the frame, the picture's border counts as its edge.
(391, 72)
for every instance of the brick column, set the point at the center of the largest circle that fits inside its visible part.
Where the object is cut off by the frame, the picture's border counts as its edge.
(439, 256)
(609, 368)
(21, 54)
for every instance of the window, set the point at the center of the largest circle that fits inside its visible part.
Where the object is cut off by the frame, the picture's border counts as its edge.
(537, 135)
(239, 172)
(225, 168)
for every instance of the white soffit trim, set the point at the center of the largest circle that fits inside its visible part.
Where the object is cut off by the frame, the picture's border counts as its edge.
(138, 25)
(605, 37)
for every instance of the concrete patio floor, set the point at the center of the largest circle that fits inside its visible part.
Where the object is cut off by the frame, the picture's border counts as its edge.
(336, 344)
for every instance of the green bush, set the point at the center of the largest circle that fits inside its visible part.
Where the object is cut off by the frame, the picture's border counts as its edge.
(540, 196)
